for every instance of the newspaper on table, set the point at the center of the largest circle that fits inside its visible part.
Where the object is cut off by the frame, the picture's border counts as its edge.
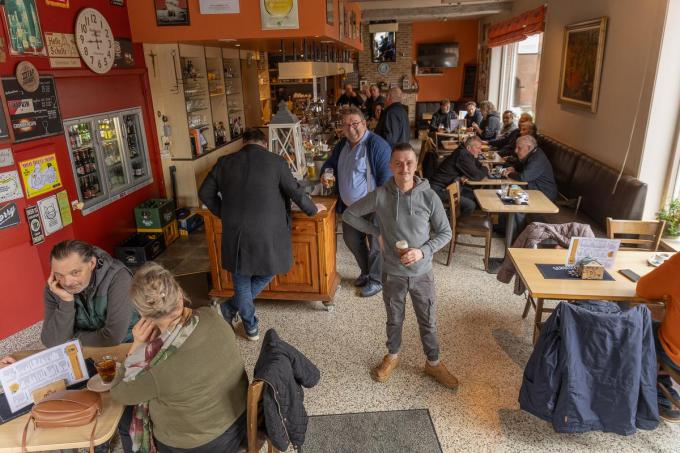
(602, 250)
(21, 378)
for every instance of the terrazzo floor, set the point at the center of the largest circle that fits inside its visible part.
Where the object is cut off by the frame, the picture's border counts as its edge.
(485, 343)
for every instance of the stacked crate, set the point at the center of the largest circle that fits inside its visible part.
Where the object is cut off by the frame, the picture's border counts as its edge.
(157, 215)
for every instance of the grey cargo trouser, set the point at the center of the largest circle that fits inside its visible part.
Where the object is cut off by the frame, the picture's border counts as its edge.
(421, 289)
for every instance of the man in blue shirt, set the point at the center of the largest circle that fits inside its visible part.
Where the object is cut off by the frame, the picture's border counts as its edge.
(361, 162)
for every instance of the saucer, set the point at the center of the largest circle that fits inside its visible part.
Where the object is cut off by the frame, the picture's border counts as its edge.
(97, 385)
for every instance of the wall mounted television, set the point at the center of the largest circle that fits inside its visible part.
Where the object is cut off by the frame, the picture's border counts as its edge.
(441, 55)
(384, 46)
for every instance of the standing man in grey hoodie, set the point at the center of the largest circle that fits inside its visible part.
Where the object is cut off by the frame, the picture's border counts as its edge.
(407, 211)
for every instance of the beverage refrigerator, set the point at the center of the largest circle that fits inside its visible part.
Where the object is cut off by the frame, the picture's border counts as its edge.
(109, 156)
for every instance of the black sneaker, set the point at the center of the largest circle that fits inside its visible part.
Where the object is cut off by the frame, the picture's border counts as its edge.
(669, 413)
(253, 335)
(361, 280)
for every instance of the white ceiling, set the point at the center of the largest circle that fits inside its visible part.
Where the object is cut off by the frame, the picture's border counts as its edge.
(404, 10)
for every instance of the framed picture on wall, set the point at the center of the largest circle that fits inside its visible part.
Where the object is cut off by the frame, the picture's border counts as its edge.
(384, 45)
(582, 56)
(23, 28)
(171, 12)
(329, 11)
(279, 14)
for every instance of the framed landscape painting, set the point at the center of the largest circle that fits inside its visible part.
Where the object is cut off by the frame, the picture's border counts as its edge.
(582, 56)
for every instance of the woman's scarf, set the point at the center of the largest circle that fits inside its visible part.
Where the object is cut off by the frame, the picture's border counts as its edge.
(140, 361)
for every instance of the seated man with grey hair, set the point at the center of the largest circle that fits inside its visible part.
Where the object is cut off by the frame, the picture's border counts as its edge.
(462, 164)
(533, 167)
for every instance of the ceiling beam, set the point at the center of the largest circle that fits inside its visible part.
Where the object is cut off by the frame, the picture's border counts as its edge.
(435, 12)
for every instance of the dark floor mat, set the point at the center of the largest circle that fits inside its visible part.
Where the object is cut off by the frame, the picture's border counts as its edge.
(406, 431)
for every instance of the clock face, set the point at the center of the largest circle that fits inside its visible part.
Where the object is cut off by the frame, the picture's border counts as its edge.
(383, 68)
(95, 40)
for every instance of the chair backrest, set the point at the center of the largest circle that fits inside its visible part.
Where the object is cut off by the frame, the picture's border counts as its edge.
(426, 146)
(255, 391)
(640, 235)
(454, 203)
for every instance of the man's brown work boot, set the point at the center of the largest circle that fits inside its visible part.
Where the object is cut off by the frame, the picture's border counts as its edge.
(383, 370)
(442, 375)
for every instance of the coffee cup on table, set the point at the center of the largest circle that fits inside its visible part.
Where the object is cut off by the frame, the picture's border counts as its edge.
(402, 247)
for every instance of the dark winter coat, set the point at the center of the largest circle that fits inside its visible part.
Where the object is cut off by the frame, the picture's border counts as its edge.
(491, 126)
(440, 118)
(250, 191)
(476, 118)
(593, 369)
(536, 170)
(393, 124)
(285, 370)
(506, 144)
(370, 104)
(459, 163)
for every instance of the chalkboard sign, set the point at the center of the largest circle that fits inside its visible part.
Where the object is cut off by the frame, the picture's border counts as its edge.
(469, 81)
(32, 115)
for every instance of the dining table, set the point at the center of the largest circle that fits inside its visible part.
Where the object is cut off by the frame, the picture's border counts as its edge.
(48, 439)
(540, 288)
(490, 202)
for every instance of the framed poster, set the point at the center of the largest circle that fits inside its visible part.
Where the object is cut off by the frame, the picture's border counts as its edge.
(32, 115)
(279, 14)
(582, 56)
(171, 12)
(62, 50)
(329, 11)
(23, 28)
(40, 175)
(124, 54)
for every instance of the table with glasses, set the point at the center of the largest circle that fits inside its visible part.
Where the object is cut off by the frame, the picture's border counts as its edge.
(494, 182)
(47, 439)
(541, 289)
(490, 202)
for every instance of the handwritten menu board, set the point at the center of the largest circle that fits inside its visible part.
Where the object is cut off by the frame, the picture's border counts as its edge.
(32, 115)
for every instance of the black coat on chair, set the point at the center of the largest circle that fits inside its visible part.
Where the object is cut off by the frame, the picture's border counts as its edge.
(250, 191)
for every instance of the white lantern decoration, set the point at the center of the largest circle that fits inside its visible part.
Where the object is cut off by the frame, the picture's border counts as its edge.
(285, 139)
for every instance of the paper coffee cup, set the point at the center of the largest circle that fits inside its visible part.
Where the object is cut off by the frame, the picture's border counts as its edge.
(402, 247)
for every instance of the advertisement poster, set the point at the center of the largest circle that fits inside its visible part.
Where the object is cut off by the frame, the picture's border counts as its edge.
(57, 3)
(10, 186)
(23, 28)
(49, 214)
(219, 6)
(6, 158)
(124, 54)
(21, 378)
(279, 14)
(34, 225)
(9, 216)
(602, 250)
(40, 175)
(62, 50)
(64, 208)
(33, 115)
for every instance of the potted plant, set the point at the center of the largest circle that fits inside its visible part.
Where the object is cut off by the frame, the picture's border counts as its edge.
(672, 217)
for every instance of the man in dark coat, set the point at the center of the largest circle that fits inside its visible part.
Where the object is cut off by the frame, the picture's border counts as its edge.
(350, 97)
(372, 100)
(393, 124)
(473, 116)
(250, 191)
(533, 167)
(442, 118)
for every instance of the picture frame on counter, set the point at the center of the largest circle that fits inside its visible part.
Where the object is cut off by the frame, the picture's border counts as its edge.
(171, 12)
(23, 28)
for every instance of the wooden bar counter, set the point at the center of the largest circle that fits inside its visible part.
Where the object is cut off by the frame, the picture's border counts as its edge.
(312, 276)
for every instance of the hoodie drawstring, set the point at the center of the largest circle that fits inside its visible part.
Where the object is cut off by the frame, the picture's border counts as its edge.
(397, 209)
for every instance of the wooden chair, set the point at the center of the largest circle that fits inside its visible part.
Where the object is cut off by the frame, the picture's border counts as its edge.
(675, 376)
(647, 233)
(473, 225)
(427, 146)
(255, 390)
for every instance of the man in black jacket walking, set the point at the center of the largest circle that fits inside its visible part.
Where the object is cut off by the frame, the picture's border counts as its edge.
(250, 191)
(393, 124)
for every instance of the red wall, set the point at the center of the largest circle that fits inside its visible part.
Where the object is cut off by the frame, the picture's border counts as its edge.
(450, 83)
(80, 92)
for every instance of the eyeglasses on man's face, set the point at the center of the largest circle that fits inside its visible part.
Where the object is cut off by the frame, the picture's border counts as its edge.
(353, 124)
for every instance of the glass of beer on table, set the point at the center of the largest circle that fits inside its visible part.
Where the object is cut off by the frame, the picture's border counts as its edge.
(106, 367)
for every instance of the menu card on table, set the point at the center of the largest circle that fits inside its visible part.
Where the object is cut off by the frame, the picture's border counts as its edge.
(20, 379)
(602, 250)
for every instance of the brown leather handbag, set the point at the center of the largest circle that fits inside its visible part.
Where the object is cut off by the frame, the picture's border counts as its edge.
(64, 409)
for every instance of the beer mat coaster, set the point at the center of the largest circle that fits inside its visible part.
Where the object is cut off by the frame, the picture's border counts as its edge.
(508, 201)
(561, 272)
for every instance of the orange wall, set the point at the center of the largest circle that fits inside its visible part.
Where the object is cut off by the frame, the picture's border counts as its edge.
(449, 84)
(245, 25)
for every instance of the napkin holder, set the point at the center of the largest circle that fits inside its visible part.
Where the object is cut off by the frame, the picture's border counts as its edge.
(590, 269)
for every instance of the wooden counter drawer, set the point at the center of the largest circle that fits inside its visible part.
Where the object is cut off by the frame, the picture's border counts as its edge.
(303, 228)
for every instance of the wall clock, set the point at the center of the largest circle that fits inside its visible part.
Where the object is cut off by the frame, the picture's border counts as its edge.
(383, 68)
(94, 39)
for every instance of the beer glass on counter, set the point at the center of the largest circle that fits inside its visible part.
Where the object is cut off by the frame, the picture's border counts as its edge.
(327, 182)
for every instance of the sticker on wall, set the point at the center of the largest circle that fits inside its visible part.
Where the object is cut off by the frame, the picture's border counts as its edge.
(9, 216)
(34, 225)
(49, 214)
(6, 158)
(57, 3)
(33, 115)
(279, 14)
(40, 175)
(28, 77)
(62, 50)
(64, 208)
(124, 54)
(10, 187)
(23, 28)
(219, 6)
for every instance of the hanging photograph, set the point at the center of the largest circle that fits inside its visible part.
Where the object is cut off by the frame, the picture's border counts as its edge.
(279, 14)
(384, 46)
(582, 56)
(23, 28)
(329, 11)
(172, 12)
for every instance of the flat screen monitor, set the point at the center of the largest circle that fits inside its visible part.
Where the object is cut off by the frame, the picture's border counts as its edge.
(438, 55)
(384, 46)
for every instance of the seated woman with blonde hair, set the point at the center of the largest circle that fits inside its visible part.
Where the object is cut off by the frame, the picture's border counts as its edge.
(183, 373)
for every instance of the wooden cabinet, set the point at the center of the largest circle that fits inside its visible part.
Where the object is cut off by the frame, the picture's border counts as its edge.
(312, 276)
